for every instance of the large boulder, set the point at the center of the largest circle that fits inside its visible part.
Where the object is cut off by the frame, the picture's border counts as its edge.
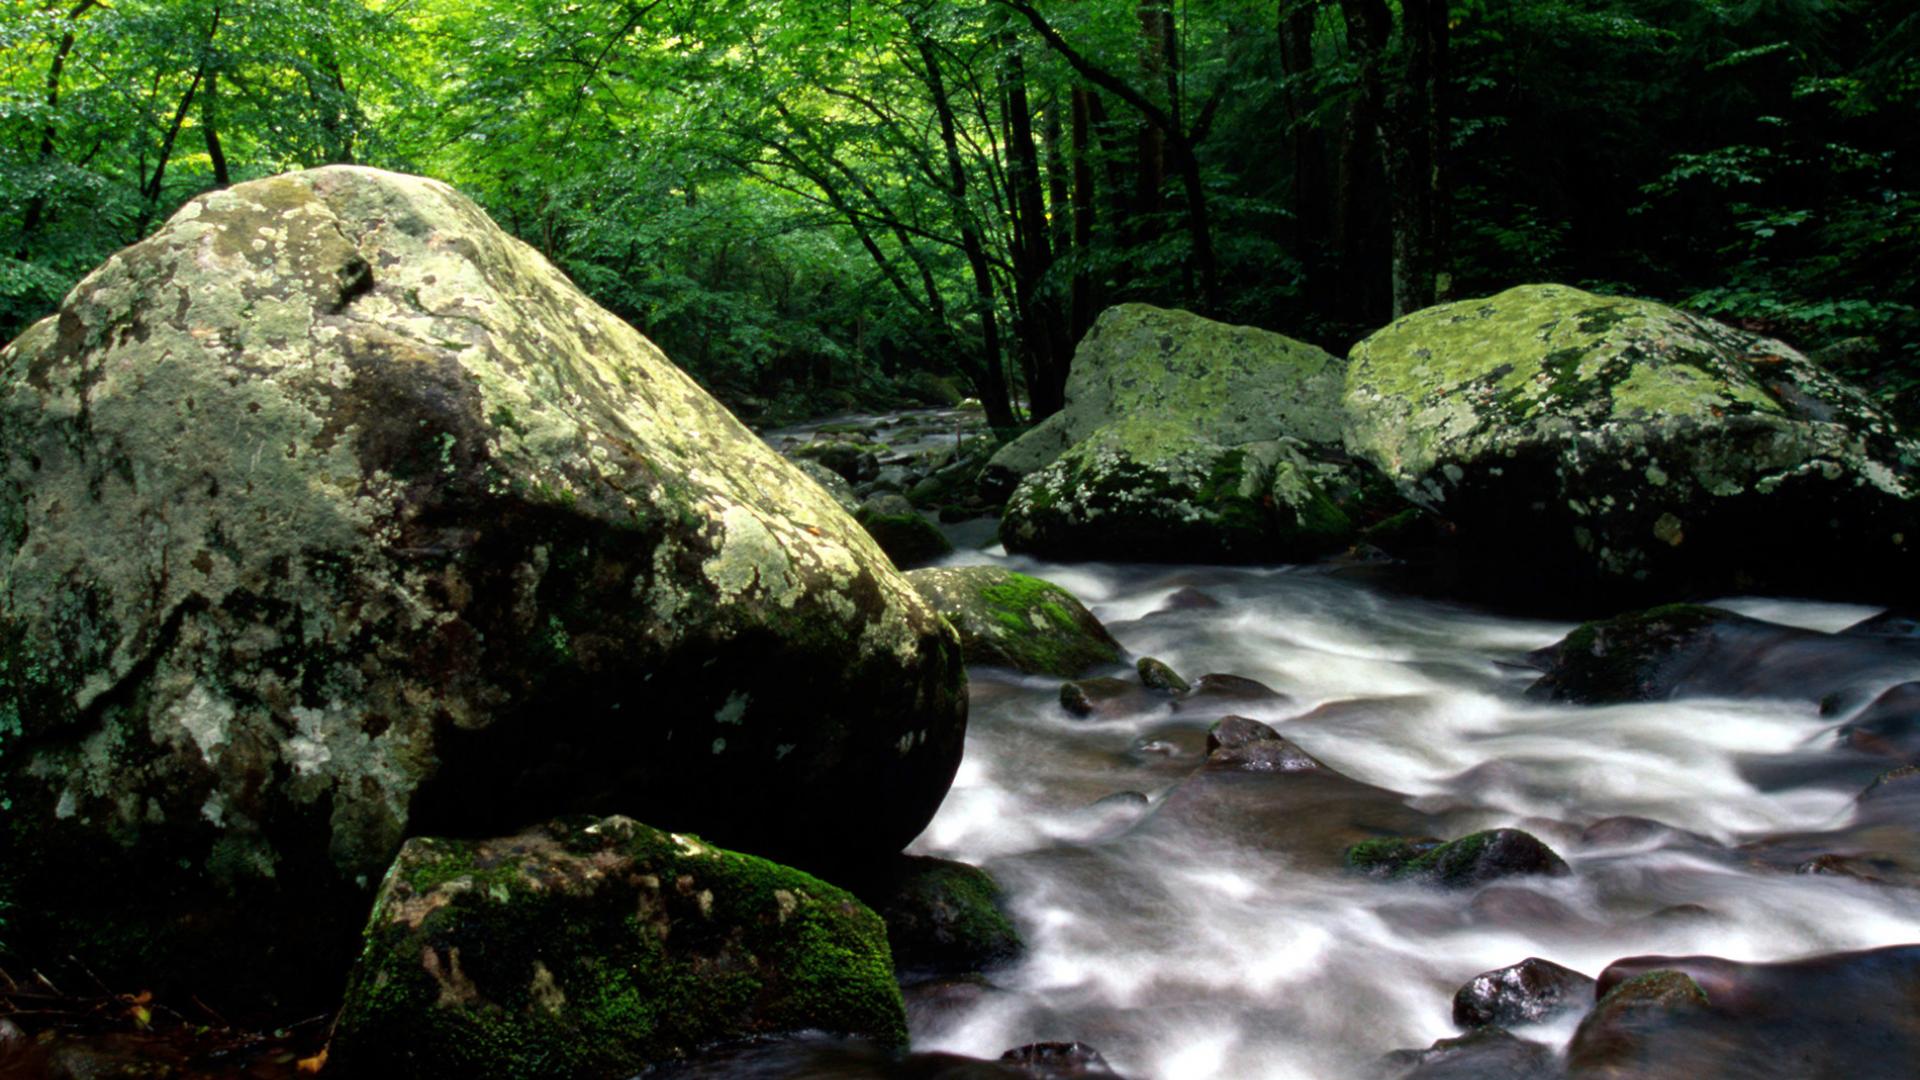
(333, 514)
(598, 948)
(1186, 439)
(1588, 447)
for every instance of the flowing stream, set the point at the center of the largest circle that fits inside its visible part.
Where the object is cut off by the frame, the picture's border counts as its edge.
(1189, 945)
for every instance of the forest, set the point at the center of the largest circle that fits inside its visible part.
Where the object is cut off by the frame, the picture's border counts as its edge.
(959, 539)
(815, 204)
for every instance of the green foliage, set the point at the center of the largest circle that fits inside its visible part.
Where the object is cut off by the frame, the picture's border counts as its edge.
(766, 190)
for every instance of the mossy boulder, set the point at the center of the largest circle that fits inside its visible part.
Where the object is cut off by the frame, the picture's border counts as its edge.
(942, 917)
(1470, 861)
(333, 514)
(1155, 489)
(1589, 447)
(1010, 619)
(598, 948)
(1186, 439)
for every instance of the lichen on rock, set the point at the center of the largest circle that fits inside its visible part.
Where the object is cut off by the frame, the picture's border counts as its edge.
(334, 513)
(1589, 447)
(1187, 439)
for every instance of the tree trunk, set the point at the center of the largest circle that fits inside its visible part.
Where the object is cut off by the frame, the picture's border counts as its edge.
(37, 206)
(1397, 77)
(1085, 297)
(209, 128)
(1307, 151)
(1039, 325)
(991, 379)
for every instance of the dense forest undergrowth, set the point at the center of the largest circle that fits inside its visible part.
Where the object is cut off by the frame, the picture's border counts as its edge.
(812, 205)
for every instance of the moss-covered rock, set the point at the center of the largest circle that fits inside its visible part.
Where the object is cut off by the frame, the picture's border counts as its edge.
(1154, 489)
(1615, 447)
(908, 538)
(597, 948)
(942, 917)
(853, 461)
(1610, 1040)
(1186, 439)
(1009, 619)
(1470, 861)
(1157, 674)
(1625, 658)
(332, 514)
(832, 482)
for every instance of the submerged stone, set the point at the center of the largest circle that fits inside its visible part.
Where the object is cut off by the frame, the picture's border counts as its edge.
(1487, 1054)
(596, 948)
(1687, 650)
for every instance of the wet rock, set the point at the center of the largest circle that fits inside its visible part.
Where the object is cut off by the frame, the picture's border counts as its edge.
(1232, 732)
(1683, 913)
(1057, 1060)
(380, 527)
(942, 917)
(1890, 726)
(1307, 814)
(1606, 1043)
(1106, 698)
(1469, 861)
(1624, 450)
(1515, 907)
(1880, 843)
(1897, 624)
(1488, 1054)
(1278, 754)
(596, 948)
(1013, 620)
(1156, 675)
(856, 463)
(907, 537)
(1184, 439)
(1685, 650)
(1530, 992)
(1705, 1018)
(1218, 687)
(1904, 780)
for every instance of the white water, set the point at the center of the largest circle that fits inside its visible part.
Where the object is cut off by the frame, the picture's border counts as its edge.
(1191, 955)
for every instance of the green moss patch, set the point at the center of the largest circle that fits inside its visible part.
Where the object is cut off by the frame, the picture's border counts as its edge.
(598, 948)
